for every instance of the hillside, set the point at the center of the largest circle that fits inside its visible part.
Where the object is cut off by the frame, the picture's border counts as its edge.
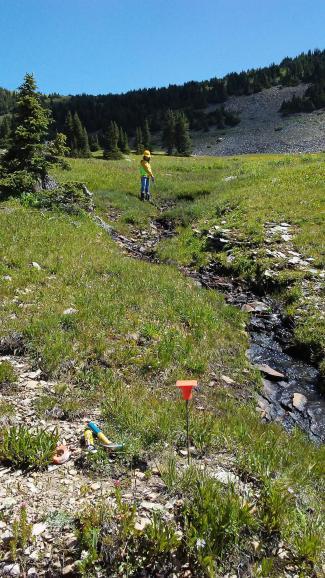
(216, 105)
(263, 129)
(102, 313)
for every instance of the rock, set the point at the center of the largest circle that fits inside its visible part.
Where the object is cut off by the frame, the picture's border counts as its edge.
(151, 506)
(7, 503)
(96, 486)
(141, 524)
(38, 529)
(70, 311)
(227, 379)
(256, 545)
(247, 308)
(69, 570)
(269, 371)
(224, 476)
(259, 306)
(36, 265)
(34, 374)
(299, 401)
(230, 178)
(6, 278)
(11, 570)
(32, 572)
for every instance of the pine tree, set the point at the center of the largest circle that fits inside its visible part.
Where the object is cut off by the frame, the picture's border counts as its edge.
(111, 150)
(84, 148)
(126, 149)
(146, 136)
(120, 143)
(30, 127)
(168, 135)
(78, 136)
(94, 143)
(139, 148)
(5, 130)
(183, 141)
(69, 131)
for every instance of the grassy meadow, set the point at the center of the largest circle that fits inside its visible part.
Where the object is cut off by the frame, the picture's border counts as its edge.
(197, 196)
(137, 327)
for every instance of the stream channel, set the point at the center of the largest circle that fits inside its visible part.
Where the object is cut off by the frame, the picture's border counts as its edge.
(291, 392)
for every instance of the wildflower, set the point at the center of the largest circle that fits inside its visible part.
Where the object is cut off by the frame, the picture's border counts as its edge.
(200, 543)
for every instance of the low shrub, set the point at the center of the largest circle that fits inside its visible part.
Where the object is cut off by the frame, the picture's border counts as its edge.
(24, 449)
(70, 197)
(7, 373)
(216, 519)
(110, 540)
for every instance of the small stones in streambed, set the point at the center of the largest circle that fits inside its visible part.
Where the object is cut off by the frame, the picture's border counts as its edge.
(299, 401)
(227, 380)
(270, 372)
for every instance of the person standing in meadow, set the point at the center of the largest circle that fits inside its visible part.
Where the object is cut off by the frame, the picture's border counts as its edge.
(146, 175)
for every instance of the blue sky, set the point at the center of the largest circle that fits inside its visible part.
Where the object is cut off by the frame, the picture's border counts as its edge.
(100, 46)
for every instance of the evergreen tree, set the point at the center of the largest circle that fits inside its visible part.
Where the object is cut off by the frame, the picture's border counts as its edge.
(139, 148)
(111, 150)
(69, 130)
(123, 142)
(126, 149)
(168, 135)
(78, 136)
(84, 149)
(121, 139)
(146, 136)
(94, 143)
(5, 130)
(30, 127)
(183, 141)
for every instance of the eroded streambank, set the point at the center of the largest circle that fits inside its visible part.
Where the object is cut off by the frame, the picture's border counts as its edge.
(291, 391)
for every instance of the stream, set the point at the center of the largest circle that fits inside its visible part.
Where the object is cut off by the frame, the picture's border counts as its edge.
(291, 386)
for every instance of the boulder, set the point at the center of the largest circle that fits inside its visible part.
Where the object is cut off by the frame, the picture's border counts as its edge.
(299, 401)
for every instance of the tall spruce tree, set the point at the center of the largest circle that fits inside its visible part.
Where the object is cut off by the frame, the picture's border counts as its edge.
(183, 141)
(126, 149)
(85, 150)
(26, 152)
(139, 148)
(146, 136)
(111, 150)
(78, 136)
(69, 131)
(94, 143)
(168, 135)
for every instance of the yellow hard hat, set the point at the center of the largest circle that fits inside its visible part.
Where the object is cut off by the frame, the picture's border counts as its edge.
(147, 153)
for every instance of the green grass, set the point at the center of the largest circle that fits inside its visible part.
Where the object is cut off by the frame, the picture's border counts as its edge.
(118, 330)
(266, 188)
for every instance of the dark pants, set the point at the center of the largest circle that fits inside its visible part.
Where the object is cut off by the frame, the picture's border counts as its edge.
(145, 188)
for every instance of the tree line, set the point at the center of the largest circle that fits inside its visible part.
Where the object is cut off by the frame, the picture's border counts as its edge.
(132, 110)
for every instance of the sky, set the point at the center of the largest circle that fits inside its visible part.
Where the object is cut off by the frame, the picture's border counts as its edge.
(101, 46)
